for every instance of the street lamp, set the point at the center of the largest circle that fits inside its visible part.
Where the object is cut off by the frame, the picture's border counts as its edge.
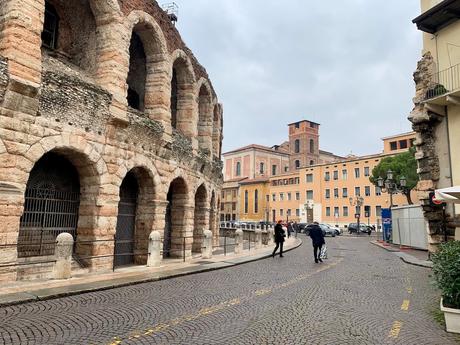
(390, 186)
(357, 201)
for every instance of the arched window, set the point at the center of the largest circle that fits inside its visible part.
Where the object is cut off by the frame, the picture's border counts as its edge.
(262, 168)
(312, 146)
(256, 201)
(297, 164)
(238, 168)
(245, 201)
(174, 99)
(297, 146)
(137, 73)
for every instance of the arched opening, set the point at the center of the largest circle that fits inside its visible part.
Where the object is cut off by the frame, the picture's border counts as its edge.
(175, 219)
(312, 146)
(51, 206)
(238, 169)
(204, 120)
(297, 164)
(213, 207)
(182, 98)
(297, 146)
(256, 201)
(137, 73)
(216, 129)
(246, 201)
(200, 219)
(262, 168)
(126, 221)
(70, 36)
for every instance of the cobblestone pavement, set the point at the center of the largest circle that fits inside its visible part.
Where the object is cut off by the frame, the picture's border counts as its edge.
(360, 295)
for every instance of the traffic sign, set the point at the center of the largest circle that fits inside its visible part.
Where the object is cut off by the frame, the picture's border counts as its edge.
(435, 201)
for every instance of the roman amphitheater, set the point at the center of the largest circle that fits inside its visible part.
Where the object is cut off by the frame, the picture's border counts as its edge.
(109, 129)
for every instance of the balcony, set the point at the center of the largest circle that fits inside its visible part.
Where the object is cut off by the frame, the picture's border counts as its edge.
(445, 88)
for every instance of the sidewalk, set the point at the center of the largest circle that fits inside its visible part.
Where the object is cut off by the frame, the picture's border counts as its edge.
(408, 255)
(27, 291)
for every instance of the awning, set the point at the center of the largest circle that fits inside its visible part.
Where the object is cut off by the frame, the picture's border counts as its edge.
(450, 194)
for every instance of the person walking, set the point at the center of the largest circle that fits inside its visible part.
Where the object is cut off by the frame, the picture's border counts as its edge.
(279, 238)
(289, 229)
(317, 237)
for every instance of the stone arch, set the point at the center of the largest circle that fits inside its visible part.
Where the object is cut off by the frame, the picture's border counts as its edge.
(213, 217)
(183, 105)
(147, 71)
(217, 131)
(201, 217)
(205, 116)
(178, 217)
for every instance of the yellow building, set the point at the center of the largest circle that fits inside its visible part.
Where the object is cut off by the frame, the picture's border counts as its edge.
(436, 114)
(254, 200)
(285, 197)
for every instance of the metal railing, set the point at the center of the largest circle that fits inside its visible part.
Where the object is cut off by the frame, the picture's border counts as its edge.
(444, 81)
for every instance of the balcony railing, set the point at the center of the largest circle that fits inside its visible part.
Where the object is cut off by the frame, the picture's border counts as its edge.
(444, 82)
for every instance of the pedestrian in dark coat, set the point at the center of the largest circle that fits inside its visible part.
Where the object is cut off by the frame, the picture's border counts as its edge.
(317, 237)
(279, 238)
(289, 229)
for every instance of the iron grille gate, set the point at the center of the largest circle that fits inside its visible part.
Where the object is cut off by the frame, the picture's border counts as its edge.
(47, 213)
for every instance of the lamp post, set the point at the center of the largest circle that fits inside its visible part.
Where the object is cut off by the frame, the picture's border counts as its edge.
(390, 186)
(357, 201)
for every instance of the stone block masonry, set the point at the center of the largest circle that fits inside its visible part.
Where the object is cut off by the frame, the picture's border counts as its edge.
(107, 135)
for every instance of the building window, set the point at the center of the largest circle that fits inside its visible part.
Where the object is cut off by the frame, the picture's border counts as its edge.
(273, 197)
(262, 168)
(281, 196)
(233, 206)
(238, 168)
(273, 215)
(328, 211)
(223, 194)
(309, 178)
(367, 191)
(366, 171)
(297, 146)
(367, 211)
(288, 212)
(297, 164)
(50, 27)
(312, 162)
(289, 196)
(274, 167)
(345, 211)
(336, 175)
(328, 193)
(345, 192)
(286, 168)
(336, 193)
(267, 197)
(393, 145)
(344, 174)
(378, 211)
(297, 212)
(403, 144)
(246, 201)
(378, 191)
(297, 195)
(281, 212)
(234, 193)
(327, 176)
(357, 172)
(297, 125)
(336, 212)
(357, 191)
(312, 146)
(256, 201)
(309, 195)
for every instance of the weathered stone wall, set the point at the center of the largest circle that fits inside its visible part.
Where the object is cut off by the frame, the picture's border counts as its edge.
(50, 102)
(426, 124)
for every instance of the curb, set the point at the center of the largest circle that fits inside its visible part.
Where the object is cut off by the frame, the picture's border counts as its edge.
(408, 259)
(78, 289)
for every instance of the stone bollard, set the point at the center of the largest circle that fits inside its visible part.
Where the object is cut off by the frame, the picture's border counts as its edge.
(207, 245)
(270, 236)
(154, 259)
(238, 241)
(63, 256)
(258, 234)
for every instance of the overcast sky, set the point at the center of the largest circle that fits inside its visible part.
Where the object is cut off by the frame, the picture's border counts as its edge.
(346, 64)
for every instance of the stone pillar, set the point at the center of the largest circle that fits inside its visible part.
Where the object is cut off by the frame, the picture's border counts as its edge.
(270, 235)
(239, 241)
(258, 234)
(207, 250)
(63, 256)
(155, 244)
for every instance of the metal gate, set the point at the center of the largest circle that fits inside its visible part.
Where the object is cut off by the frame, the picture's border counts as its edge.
(126, 222)
(52, 199)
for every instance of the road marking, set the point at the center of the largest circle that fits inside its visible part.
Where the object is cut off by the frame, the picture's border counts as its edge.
(263, 292)
(405, 305)
(409, 290)
(395, 329)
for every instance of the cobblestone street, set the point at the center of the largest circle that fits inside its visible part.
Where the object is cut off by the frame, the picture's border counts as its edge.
(360, 295)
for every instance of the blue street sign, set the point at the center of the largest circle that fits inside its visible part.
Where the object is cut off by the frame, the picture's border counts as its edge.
(386, 223)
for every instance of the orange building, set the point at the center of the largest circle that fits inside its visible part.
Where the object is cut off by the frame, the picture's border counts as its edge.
(285, 197)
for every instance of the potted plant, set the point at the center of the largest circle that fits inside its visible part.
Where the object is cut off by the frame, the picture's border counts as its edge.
(446, 269)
